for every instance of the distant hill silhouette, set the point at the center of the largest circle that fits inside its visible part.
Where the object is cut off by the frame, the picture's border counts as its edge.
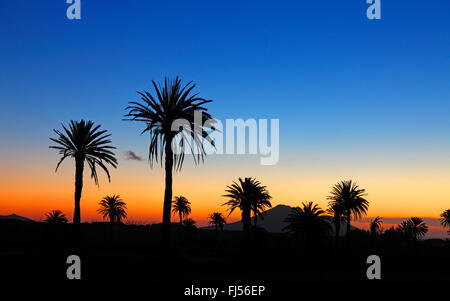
(274, 221)
(15, 217)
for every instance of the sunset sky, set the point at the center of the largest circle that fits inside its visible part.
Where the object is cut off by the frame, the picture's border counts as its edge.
(360, 99)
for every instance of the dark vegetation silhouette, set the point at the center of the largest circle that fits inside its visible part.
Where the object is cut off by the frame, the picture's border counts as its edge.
(375, 227)
(260, 205)
(113, 208)
(85, 143)
(302, 251)
(413, 228)
(306, 223)
(348, 198)
(189, 223)
(56, 217)
(165, 114)
(181, 206)
(217, 220)
(169, 117)
(245, 195)
(445, 219)
(336, 211)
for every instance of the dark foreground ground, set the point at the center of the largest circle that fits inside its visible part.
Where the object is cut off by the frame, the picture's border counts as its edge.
(39, 251)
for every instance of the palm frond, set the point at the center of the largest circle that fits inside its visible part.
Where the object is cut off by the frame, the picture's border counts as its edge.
(162, 113)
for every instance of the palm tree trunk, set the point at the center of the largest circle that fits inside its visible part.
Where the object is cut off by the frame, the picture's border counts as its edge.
(165, 237)
(246, 221)
(255, 220)
(79, 167)
(337, 230)
(181, 219)
(348, 228)
(111, 225)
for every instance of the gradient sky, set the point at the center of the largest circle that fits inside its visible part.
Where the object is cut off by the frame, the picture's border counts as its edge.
(357, 99)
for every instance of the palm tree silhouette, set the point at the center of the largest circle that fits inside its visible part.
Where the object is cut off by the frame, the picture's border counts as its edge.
(445, 219)
(56, 217)
(182, 206)
(259, 206)
(169, 119)
(307, 222)
(217, 220)
(336, 212)
(85, 143)
(348, 198)
(243, 195)
(189, 223)
(113, 207)
(375, 225)
(413, 228)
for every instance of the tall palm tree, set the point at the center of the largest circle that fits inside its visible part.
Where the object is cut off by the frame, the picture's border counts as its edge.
(445, 219)
(349, 198)
(307, 222)
(182, 206)
(414, 227)
(56, 217)
(243, 194)
(85, 143)
(163, 115)
(336, 212)
(113, 207)
(217, 220)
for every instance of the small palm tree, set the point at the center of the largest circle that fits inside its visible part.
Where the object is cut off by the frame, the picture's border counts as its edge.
(86, 144)
(217, 220)
(56, 217)
(375, 226)
(114, 208)
(307, 222)
(405, 228)
(161, 115)
(413, 228)
(349, 199)
(182, 206)
(243, 194)
(445, 219)
(189, 223)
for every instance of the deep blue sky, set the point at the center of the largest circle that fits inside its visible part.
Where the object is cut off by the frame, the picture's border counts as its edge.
(334, 78)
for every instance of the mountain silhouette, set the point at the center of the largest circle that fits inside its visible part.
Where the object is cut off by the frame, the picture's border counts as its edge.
(274, 221)
(15, 217)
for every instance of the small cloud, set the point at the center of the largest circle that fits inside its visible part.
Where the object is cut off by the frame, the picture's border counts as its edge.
(130, 155)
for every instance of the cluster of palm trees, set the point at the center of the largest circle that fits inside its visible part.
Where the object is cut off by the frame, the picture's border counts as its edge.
(249, 196)
(171, 102)
(111, 207)
(413, 228)
(217, 220)
(346, 203)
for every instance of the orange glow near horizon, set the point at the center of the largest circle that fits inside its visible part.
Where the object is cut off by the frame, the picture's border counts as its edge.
(32, 191)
